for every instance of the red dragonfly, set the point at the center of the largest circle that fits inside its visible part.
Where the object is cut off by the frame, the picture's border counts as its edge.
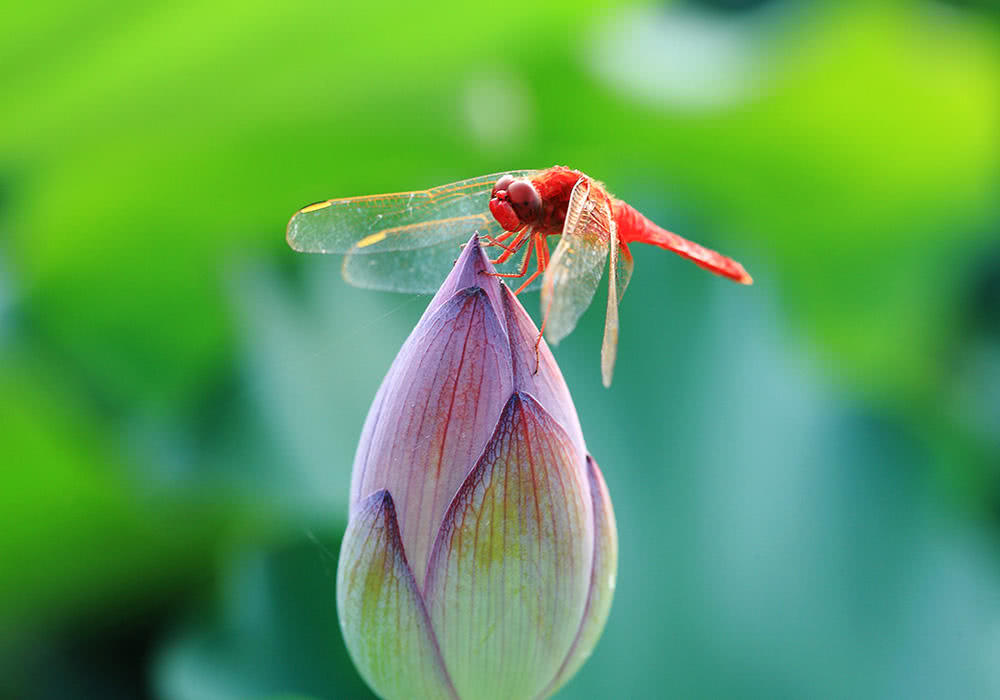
(418, 231)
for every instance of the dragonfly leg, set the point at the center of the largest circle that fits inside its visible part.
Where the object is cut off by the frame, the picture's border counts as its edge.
(491, 241)
(534, 275)
(512, 248)
(501, 238)
(543, 263)
(542, 251)
(524, 268)
(498, 242)
(505, 235)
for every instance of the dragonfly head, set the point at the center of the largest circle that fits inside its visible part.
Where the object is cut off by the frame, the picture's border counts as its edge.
(515, 203)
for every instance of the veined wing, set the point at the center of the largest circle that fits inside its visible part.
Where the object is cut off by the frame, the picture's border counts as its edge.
(578, 261)
(619, 274)
(394, 222)
(420, 270)
(624, 265)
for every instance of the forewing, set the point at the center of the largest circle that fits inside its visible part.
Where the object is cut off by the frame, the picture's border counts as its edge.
(390, 222)
(422, 230)
(578, 261)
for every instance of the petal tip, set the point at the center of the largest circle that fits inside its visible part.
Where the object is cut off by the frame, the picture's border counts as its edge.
(380, 502)
(521, 403)
(471, 270)
(472, 256)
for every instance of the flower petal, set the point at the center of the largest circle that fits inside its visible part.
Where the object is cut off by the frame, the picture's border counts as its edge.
(537, 373)
(602, 580)
(433, 416)
(508, 578)
(382, 615)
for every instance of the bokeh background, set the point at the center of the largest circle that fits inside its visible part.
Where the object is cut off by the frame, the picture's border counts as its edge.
(806, 472)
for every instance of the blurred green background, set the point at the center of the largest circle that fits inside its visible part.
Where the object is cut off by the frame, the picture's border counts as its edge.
(806, 473)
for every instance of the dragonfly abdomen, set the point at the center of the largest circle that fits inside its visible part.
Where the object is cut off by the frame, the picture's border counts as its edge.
(634, 227)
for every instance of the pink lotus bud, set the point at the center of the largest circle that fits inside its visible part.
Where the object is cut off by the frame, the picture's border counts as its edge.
(480, 554)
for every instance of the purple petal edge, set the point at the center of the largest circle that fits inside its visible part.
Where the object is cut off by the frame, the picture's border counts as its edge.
(537, 373)
(605, 561)
(548, 475)
(379, 506)
(434, 414)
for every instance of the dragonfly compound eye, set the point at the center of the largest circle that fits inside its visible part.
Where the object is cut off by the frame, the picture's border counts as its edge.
(525, 200)
(503, 183)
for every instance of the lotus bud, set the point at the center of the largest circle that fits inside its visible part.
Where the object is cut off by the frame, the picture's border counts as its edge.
(480, 554)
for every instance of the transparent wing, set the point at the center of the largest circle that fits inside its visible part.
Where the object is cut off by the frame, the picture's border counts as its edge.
(422, 270)
(616, 289)
(417, 271)
(625, 265)
(619, 274)
(421, 230)
(578, 261)
(398, 221)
